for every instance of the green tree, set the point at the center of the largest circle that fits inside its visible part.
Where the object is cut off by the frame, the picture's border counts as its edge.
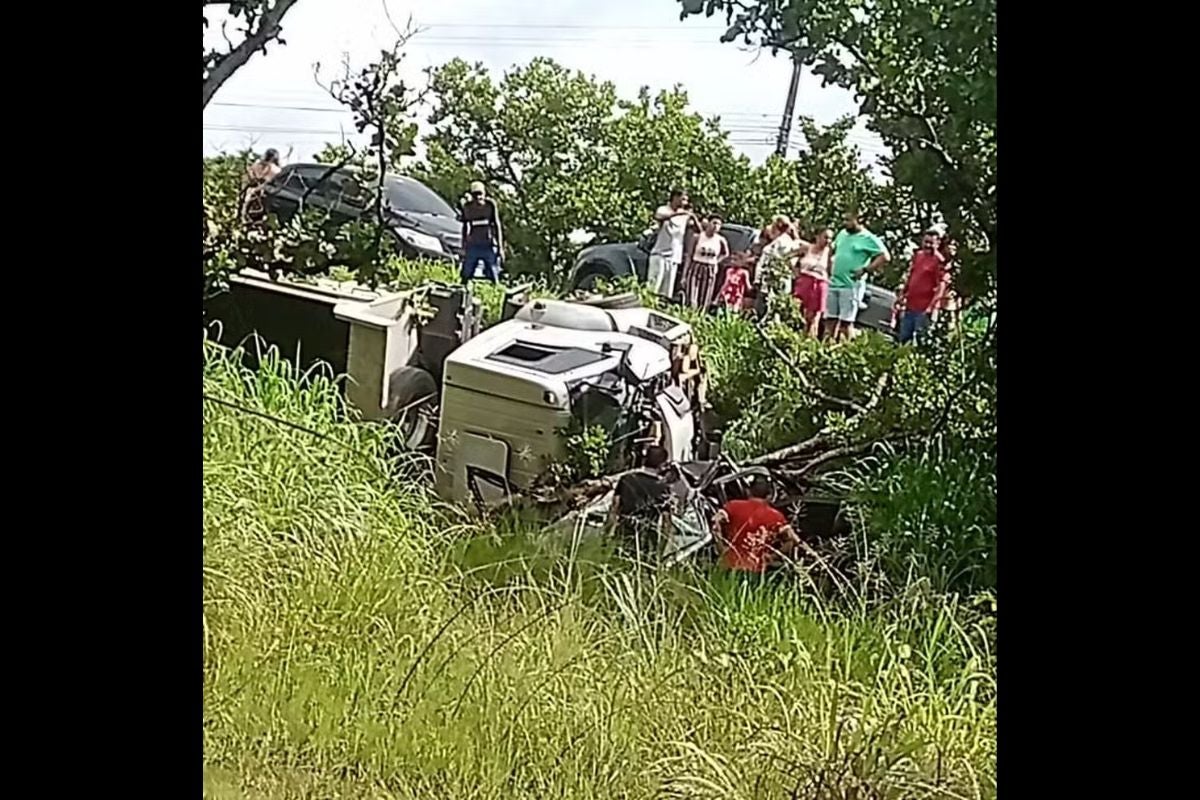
(537, 138)
(562, 153)
(657, 143)
(222, 206)
(925, 75)
(824, 180)
(253, 23)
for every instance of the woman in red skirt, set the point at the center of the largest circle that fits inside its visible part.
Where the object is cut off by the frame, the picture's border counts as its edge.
(811, 286)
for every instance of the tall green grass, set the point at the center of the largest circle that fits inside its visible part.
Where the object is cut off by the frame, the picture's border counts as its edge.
(363, 641)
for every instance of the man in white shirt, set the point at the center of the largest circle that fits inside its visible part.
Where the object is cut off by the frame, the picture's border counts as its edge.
(667, 252)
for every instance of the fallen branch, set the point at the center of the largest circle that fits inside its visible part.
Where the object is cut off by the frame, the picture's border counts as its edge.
(845, 451)
(790, 452)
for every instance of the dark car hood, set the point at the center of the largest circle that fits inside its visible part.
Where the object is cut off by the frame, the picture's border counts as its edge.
(448, 229)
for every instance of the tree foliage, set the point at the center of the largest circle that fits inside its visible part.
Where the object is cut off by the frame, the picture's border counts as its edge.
(924, 72)
(824, 180)
(253, 23)
(536, 137)
(563, 152)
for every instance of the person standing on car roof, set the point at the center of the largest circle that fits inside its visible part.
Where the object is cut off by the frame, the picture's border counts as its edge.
(924, 288)
(751, 534)
(856, 252)
(666, 254)
(482, 235)
(256, 177)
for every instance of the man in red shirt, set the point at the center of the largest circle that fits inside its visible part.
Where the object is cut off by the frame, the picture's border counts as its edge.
(750, 533)
(928, 279)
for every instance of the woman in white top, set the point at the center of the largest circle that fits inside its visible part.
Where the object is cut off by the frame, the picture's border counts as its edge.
(774, 268)
(700, 277)
(812, 281)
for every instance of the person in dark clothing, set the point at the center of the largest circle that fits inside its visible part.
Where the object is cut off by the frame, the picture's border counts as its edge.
(642, 499)
(483, 239)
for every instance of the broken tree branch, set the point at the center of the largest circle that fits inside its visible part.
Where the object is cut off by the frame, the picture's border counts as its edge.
(846, 451)
(267, 29)
(790, 452)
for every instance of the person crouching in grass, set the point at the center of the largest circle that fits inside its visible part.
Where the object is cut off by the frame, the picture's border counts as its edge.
(751, 534)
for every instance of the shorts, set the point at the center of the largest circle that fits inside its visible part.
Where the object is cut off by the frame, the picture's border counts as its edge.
(660, 275)
(811, 291)
(477, 253)
(860, 293)
(912, 324)
(842, 304)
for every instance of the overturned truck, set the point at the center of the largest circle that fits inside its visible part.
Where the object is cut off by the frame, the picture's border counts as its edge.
(491, 404)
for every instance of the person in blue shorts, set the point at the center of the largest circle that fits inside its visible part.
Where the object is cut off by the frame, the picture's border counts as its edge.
(482, 236)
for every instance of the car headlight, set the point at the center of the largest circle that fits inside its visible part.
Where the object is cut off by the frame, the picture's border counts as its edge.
(420, 240)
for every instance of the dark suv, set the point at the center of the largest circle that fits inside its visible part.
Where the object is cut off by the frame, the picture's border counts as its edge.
(610, 261)
(423, 224)
(618, 260)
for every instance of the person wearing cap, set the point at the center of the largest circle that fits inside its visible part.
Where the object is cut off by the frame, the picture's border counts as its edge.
(482, 236)
(925, 286)
(856, 251)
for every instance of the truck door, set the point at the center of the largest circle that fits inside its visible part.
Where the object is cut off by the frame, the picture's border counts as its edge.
(484, 462)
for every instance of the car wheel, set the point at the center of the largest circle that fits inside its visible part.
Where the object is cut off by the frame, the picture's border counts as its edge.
(412, 405)
(588, 275)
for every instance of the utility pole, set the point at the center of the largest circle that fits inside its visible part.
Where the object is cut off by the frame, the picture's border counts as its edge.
(789, 111)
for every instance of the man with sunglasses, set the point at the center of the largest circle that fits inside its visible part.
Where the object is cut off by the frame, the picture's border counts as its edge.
(483, 239)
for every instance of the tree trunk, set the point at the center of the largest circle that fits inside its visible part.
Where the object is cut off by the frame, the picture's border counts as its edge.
(268, 29)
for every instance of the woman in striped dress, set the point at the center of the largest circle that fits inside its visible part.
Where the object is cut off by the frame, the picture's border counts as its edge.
(700, 278)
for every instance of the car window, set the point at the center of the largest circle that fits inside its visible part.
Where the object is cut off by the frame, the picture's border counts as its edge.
(329, 187)
(739, 239)
(406, 194)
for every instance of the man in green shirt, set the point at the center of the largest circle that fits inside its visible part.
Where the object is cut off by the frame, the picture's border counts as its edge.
(856, 251)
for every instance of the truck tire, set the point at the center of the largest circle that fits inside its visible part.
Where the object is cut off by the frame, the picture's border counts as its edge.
(412, 404)
(586, 278)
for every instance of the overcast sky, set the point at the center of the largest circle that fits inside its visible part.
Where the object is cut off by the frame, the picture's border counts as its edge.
(274, 101)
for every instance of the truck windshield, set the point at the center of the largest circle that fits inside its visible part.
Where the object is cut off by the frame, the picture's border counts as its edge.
(592, 407)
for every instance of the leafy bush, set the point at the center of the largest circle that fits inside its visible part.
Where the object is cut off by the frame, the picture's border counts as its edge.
(931, 513)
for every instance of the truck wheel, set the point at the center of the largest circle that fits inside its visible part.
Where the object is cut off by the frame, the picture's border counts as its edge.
(586, 279)
(412, 404)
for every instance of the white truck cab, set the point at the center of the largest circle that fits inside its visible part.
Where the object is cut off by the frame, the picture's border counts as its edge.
(508, 393)
(504, 395)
